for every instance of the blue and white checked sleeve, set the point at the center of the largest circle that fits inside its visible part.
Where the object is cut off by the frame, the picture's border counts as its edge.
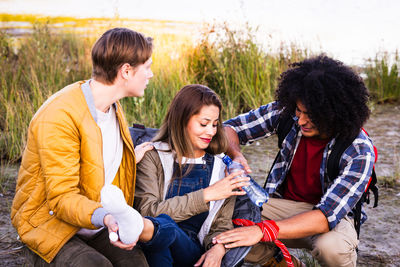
(255, 124)
(355, 170)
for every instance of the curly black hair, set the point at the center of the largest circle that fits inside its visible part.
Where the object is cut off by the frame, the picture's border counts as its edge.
(334, 95)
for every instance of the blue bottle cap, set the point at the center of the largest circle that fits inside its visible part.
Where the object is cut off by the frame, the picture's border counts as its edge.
(227, 160)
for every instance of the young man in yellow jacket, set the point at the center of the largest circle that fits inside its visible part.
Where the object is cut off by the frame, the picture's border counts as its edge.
(78, 141)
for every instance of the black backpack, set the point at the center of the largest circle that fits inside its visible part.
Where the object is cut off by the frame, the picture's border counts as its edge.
(140, 133)
(286, 123)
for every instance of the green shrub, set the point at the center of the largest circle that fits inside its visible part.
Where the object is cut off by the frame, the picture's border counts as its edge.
(44, 63)
(383, 78)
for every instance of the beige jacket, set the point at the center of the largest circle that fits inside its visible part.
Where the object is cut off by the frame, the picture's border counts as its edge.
(149, 199)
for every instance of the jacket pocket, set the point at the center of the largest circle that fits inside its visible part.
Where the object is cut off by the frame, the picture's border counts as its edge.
(41, 215)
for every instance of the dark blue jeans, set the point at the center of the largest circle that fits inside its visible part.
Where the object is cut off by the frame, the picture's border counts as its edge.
(170, 245)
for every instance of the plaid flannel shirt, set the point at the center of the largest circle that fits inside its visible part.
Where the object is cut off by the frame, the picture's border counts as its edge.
(340, 195)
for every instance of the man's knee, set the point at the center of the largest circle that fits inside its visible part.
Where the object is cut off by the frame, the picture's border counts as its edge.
(89, 258)
(133, 257)
(335, 249)
(74, 253)
(77, 253)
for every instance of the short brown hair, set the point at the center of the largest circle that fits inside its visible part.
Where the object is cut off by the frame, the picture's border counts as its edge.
(117, 47)
(186, 103)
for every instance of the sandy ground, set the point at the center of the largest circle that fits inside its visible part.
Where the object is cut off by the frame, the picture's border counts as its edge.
(380, 235)
(10, 247)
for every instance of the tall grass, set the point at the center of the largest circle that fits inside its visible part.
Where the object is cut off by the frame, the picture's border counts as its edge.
(43, 64)
(237, 68)
(229, 61)
(383, 78)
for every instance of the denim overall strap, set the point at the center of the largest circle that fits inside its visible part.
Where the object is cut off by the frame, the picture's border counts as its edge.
(198, 178)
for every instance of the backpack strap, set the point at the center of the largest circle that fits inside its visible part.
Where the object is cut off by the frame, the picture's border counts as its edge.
(357, 215)
(372, 186)
(334, 157)
(333, 171)
(285, 124)
(373, 180)
(333, 168)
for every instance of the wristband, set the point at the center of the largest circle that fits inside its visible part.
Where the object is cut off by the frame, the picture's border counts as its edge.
(270, 232)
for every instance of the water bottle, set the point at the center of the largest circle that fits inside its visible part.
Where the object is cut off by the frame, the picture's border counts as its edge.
(254, 191)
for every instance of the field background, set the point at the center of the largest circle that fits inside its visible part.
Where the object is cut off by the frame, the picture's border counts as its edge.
(39, 55)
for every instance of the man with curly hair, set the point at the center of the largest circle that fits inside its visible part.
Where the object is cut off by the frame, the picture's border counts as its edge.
(328, 102)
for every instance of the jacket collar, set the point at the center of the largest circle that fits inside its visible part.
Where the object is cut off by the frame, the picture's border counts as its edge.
(87, 92)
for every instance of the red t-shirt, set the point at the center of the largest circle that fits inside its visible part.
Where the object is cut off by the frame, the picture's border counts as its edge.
(303, 182)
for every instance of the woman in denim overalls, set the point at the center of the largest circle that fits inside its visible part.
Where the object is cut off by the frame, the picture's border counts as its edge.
(181, 184)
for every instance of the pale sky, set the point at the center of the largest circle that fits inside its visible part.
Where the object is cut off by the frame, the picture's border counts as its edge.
(349, 30)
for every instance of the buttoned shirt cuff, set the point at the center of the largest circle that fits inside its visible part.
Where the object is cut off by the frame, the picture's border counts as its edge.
(98, 217)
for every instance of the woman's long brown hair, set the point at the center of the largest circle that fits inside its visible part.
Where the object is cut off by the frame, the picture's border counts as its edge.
(186, 103)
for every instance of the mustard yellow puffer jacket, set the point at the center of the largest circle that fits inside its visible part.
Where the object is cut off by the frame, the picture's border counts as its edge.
(62, 171)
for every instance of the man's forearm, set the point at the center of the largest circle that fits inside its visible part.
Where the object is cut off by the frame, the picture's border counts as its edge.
(302, 225)
(234, 146)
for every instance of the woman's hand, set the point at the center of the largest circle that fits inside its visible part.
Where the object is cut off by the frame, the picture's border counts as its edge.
(241, 236)
(212, 257)
(112, 225)
(226, 187)
(141, 149)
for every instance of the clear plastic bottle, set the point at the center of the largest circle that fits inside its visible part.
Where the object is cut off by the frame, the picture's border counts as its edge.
(254, 191)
